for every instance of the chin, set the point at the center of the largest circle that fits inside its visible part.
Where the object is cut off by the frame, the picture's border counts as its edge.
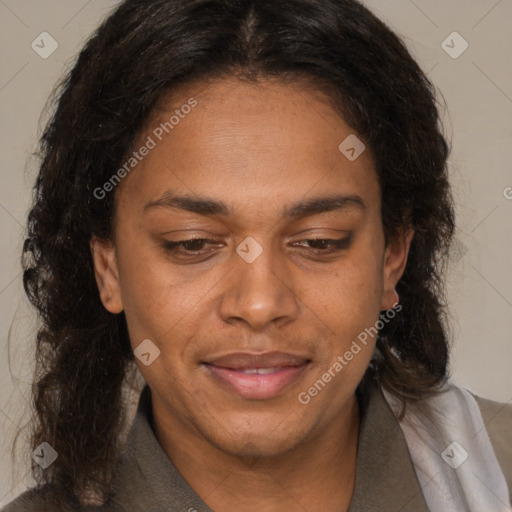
(271, 439)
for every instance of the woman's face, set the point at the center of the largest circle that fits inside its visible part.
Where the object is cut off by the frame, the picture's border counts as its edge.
(257, 169)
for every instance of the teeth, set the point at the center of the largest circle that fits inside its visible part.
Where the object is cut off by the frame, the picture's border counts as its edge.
(261, 371)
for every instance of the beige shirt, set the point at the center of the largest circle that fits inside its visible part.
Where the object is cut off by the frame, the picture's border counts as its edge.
(146, 479)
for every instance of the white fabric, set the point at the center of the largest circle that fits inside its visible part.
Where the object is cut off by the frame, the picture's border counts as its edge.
(460, 477)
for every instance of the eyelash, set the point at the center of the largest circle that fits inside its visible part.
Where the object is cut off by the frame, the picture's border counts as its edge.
(174, 247)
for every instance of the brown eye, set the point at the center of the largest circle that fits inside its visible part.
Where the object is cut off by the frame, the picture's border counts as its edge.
(192, 246)
(327, 245)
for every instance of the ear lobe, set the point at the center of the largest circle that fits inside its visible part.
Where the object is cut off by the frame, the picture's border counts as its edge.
(106, 274)
(395, 260)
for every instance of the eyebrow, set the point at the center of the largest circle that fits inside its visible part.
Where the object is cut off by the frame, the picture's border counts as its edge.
(302, 208)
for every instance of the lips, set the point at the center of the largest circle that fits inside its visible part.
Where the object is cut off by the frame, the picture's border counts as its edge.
(247, 361)
(256, 376)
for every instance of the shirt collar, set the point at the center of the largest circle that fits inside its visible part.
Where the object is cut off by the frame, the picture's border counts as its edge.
(385, 477)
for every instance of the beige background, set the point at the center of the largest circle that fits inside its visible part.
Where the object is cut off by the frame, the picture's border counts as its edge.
(477, 87)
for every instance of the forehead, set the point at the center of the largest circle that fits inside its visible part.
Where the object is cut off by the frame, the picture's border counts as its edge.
(246, 143)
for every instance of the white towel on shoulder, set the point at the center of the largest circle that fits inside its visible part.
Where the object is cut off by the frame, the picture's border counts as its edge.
(452, 453)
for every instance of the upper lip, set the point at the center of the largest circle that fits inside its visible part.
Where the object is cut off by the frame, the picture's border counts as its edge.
(247, 360)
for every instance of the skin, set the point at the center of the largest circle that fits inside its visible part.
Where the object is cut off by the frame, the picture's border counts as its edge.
(259, 148)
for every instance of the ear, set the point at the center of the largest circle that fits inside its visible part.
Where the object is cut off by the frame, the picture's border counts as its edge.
(106, 274)
(395, 259)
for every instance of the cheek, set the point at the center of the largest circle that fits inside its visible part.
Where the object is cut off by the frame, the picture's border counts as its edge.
(350, 305)
(162, 301)
(146, 288)
(349, 292)
(346, 307)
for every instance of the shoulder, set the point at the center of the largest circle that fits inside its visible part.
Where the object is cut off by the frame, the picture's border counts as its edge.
(41, 498)
(497, 418)
(44, 499)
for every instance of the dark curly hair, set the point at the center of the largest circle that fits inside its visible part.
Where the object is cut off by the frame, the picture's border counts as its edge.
(144, 50)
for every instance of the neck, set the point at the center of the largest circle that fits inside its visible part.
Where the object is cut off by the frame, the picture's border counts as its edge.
(318, 474)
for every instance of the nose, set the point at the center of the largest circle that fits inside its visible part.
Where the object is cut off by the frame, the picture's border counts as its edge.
(260, 292)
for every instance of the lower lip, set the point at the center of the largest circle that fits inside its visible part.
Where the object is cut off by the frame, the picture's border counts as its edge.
(254, 385)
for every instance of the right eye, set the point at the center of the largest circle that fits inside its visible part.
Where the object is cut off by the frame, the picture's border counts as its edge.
(190, 247)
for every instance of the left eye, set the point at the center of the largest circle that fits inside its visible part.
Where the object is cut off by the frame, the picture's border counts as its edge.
(327, 245)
